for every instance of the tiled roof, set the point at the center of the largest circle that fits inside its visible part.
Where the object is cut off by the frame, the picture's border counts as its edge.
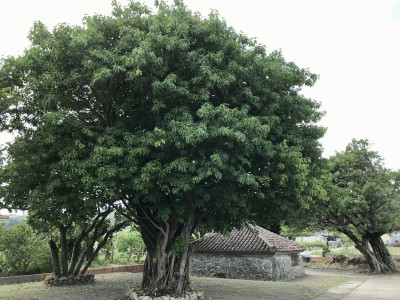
(251, 239)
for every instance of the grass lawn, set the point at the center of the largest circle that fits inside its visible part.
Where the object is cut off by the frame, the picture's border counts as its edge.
(392, 250)
(113, 286)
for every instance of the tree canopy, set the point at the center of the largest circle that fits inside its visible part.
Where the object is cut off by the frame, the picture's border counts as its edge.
(173, 118)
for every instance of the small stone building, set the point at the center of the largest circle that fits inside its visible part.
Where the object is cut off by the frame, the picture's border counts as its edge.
(250, 253)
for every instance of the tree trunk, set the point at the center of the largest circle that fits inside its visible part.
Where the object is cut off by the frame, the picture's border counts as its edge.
(64, 250)
(376, 259)
(55, 258)
(166, 268)
(382, 253)
(375, 263)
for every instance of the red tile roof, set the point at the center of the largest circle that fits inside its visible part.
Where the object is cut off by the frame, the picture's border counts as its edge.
(251, 239)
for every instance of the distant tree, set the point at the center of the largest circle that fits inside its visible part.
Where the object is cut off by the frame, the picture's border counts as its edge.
(364, 202)
(13, 220)
(292, 232)
(175, 120)
(131, 243)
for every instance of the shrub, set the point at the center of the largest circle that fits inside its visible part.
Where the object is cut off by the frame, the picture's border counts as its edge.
(311, 244)
(23, 252)
(325, 250)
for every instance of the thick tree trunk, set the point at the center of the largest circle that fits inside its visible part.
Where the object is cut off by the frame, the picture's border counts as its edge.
(64, 250)
(55, 258)
(379, 259)
(375, 262)
(166, 269)
(382, 253)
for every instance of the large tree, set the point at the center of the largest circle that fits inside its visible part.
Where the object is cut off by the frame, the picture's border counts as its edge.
(364, 202)
(188, 123)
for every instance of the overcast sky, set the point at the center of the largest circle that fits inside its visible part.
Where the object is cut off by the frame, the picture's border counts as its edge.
(353, 45)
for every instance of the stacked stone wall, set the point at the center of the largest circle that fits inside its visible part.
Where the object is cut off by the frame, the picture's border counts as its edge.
(255, 267)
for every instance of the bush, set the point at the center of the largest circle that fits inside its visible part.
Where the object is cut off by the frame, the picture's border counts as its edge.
(311, 244)
(23, 252)
(131, 243)
(325, 250)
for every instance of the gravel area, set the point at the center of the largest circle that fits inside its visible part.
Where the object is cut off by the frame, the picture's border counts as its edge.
(112, 286)
(304, 288)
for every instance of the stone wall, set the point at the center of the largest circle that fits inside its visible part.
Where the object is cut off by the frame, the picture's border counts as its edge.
(259, 267)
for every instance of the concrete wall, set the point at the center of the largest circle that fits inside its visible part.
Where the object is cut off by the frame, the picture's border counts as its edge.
(394, 237)
(260, 267)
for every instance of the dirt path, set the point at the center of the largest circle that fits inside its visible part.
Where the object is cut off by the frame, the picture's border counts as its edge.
(387, 287)
(362, 286)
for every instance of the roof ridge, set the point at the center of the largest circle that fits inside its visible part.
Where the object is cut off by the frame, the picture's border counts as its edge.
(248, 239)
(279, 236)
(264, 240)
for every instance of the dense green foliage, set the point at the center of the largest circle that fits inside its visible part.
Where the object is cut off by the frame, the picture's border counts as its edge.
(291, 232)
(37, 177)
(22, 251)
(130, 243)
(365, 196)
(364, 202)
(174, 119)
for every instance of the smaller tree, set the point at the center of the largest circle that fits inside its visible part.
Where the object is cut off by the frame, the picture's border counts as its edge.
(43, 175)
(364, 202)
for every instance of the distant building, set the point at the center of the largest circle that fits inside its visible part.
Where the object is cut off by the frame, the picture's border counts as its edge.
(325, 237)
(250, 253)
(395, 238)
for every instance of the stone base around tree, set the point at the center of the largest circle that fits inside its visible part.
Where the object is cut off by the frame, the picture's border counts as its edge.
(70, 280)
(132, 294)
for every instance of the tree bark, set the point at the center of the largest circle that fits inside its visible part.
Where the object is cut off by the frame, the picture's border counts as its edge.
(378, 258)
(375, 262)
(64, 250)
(166, 270)
(55, 258)
(382, 253)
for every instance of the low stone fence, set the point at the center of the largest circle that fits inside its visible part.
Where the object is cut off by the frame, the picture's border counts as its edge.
(131, 269)
(318, 259)
(20, 279)
(41, 277)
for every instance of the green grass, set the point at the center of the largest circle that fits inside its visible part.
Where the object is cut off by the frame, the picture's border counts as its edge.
(344, 251)
(394, 250)
(316, 252)
(120, 259)
(311, 244)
